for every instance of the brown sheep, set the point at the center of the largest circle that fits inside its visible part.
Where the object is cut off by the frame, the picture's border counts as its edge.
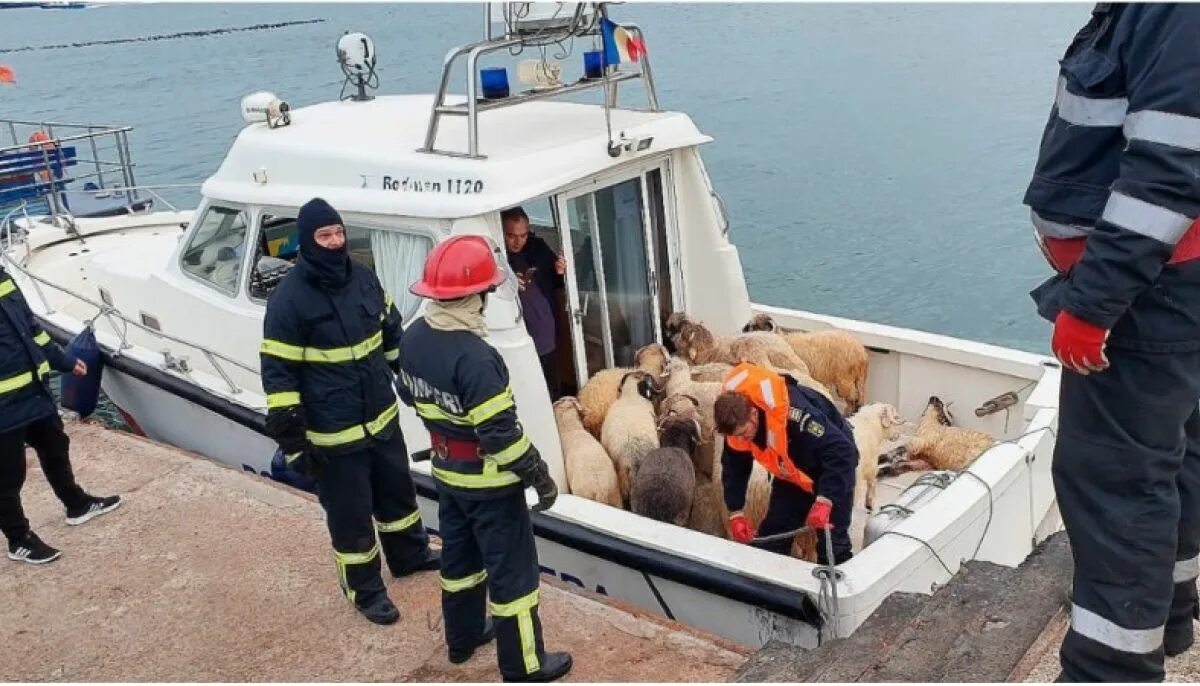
(938, 444)
(834, 357)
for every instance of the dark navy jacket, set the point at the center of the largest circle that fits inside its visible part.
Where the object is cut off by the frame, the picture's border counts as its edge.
(459, 386)
(820, 443)
(332, 352)
(1120, 164)
(26, 357)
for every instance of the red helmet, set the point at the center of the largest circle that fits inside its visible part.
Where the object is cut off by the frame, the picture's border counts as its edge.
(457, 267)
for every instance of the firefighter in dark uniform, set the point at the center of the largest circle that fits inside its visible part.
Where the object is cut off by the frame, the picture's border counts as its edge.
(331, 340)
(806, 445)
(28, 417)
(1114, 201)
(482, 463)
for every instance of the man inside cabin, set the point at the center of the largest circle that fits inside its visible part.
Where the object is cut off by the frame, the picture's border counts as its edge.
(803, 442)
(330, 350)
(28, 417)
(539, 276)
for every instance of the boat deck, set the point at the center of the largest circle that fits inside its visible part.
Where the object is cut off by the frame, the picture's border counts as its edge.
(208, 574)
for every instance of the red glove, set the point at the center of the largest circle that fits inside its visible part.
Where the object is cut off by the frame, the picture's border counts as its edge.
(740, 527)
(1078, 345)
(818, 514)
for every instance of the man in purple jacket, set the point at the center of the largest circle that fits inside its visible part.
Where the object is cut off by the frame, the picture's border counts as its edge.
(539, 274)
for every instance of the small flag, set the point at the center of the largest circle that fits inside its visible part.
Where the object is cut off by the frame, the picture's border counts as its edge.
(619, 43)
(7, 75)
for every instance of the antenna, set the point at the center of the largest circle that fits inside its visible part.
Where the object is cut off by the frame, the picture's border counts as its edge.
(356, 55)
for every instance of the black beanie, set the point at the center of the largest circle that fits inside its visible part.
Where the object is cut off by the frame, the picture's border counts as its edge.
(329, 268)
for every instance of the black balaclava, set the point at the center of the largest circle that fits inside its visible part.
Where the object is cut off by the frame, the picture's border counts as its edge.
(329, 268)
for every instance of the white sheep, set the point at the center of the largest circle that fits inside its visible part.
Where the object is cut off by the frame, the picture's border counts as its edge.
(834, 357)
(872, 425)
(601, 390)
(663, 481)
(590, 471)
(630, 430)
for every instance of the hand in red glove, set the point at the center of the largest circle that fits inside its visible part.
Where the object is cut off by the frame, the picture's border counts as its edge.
(740, 527)
(1078, 345)
(818, 514)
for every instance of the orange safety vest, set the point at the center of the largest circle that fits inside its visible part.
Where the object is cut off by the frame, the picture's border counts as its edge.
(767, 391)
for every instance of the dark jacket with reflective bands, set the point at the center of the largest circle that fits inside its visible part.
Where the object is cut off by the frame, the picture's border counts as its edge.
(1120, 164)
(820, 443)
(458, 384)
(333, 352)
(26, 357)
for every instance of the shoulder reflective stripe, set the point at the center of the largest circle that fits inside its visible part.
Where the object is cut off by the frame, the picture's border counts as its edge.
(472, 481)
(523, 604)
(17, 382)
(42, 338)
(1175, 130)
(392, 355)
(282, 350)
(1145, 218)
(399, 524)
(1051, 229)
(491, 407)
(6, 287)
(434, 414)
(1187, 570)
(356, 432)
(1093, 626)
(512, 452)
(1084, 111)
(357, 558)
(284, 399)
(737, 380)
(459, 585)
(768, 393)
(297, 354)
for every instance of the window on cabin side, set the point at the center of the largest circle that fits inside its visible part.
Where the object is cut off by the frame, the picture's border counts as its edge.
(214, 254)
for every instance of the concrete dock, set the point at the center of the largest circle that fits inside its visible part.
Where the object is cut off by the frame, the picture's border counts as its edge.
(208, 574)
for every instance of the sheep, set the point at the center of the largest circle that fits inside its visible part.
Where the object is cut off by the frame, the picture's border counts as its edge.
(663, 482)
(872, 425)
(685, 406)
(834, 357)
(600, 391)
(590, 471)
(713, 371)
(629, 430)
(698, 345)
(940, 445)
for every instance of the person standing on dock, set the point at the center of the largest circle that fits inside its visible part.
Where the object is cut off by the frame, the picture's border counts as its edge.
(28, 417)
(331, 338)
(798, 436)
(482, 463)
(1114, 200)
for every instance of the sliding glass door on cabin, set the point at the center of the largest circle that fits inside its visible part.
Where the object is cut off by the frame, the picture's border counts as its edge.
(615, 242)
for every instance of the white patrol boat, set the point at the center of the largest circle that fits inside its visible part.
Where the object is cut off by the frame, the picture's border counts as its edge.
(176, 299)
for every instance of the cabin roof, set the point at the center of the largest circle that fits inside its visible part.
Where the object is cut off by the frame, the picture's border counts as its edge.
(364, 156)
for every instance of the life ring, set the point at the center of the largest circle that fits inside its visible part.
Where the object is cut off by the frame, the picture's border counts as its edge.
(39, 140)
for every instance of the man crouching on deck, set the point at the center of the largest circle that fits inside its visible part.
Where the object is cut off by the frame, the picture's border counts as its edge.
(801, 439)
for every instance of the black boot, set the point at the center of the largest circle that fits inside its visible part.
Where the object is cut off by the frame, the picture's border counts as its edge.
(489, 632)
(381, 611)
(1178, 641)
(554, 666)
(428, 561)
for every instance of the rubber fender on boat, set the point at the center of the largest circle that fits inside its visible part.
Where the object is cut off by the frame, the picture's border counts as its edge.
(917, 494)
(80, 393)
